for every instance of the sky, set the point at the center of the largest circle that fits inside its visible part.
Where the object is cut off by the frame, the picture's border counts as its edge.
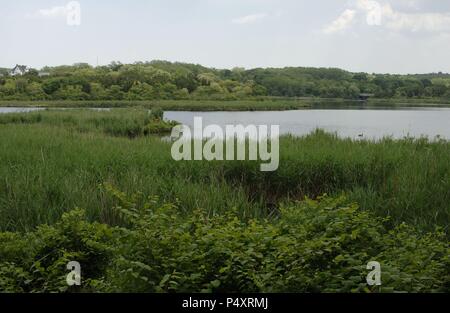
(382, 36)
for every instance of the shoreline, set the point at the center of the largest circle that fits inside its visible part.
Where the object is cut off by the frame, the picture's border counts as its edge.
(229, 105)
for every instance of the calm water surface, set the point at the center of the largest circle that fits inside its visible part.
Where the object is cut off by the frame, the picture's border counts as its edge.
(346, 122)
(19, 110)
(369, 124)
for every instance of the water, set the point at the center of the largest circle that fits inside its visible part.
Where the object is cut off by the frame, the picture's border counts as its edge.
(19, 110)
(351, 123)
(357, 123)
(25, 110)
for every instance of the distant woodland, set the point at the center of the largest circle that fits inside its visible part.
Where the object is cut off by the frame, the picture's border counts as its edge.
(159, 80)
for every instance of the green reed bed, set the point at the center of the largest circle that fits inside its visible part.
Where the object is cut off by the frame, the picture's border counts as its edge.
(55, 161)
(95, 187)
(263, 104)
(119, 122)
(255, 104)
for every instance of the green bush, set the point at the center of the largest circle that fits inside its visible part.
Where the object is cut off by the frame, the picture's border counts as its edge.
(310, 246)
(157, 114)
(159, 127)
(36, 261)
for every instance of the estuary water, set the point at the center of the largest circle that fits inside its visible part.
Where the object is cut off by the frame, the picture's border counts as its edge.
(347, 122)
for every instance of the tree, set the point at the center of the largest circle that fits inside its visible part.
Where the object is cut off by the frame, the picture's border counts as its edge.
(186, 81)
(8, 89)
(35, 91)
(71, 92)
(114, 93)
(98, 92)
(352, 91)
(438, 90)
(115, 66)
(21, 85)
(50, 86)
(166, 80)
(361, 77)
(141, 91)
(181, 94)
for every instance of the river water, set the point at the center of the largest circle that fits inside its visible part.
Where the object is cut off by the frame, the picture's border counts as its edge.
(352, 123)
(373, 123)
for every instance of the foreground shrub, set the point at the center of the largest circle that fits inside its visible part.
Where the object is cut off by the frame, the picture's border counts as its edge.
(159, 127)
(319, 245)
(36, 262)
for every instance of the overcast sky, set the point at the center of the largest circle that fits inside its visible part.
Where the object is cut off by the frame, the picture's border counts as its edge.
(385, 36)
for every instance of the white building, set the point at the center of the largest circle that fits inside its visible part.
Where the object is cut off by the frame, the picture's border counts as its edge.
(19, 70)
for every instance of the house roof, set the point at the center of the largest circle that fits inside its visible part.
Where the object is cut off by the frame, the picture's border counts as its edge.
(22, 68)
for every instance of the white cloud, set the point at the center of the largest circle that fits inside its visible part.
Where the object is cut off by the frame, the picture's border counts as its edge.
(48, 13)
(382, 14)
(374, 11)
(415, 22)
(341, 23)
(53, 12)
(411, 4)
(248, 19)
(71, 12)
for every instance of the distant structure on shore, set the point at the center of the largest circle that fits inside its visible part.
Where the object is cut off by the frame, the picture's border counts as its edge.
(19, 70)
(365, 96)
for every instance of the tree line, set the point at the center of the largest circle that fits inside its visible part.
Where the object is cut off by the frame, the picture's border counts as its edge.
(166, 80)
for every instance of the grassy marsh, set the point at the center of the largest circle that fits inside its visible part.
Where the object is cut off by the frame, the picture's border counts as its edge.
(54, 161)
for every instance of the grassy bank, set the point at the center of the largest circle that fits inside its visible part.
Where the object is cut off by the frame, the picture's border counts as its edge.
(75, 185)
(410, 102)
(55, 161)
(262, 104)
(174, 105)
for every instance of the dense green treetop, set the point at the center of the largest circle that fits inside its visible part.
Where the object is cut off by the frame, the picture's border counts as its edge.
(166, 80)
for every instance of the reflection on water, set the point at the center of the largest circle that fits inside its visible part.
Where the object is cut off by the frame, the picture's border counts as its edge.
(359, 105)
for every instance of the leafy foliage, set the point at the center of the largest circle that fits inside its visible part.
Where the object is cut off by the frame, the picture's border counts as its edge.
(165, 80)
(312, 246)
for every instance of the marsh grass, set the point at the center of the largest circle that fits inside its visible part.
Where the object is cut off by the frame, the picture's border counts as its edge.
(119, 122)
(55, 161)
(254, 104)
(263, 104)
